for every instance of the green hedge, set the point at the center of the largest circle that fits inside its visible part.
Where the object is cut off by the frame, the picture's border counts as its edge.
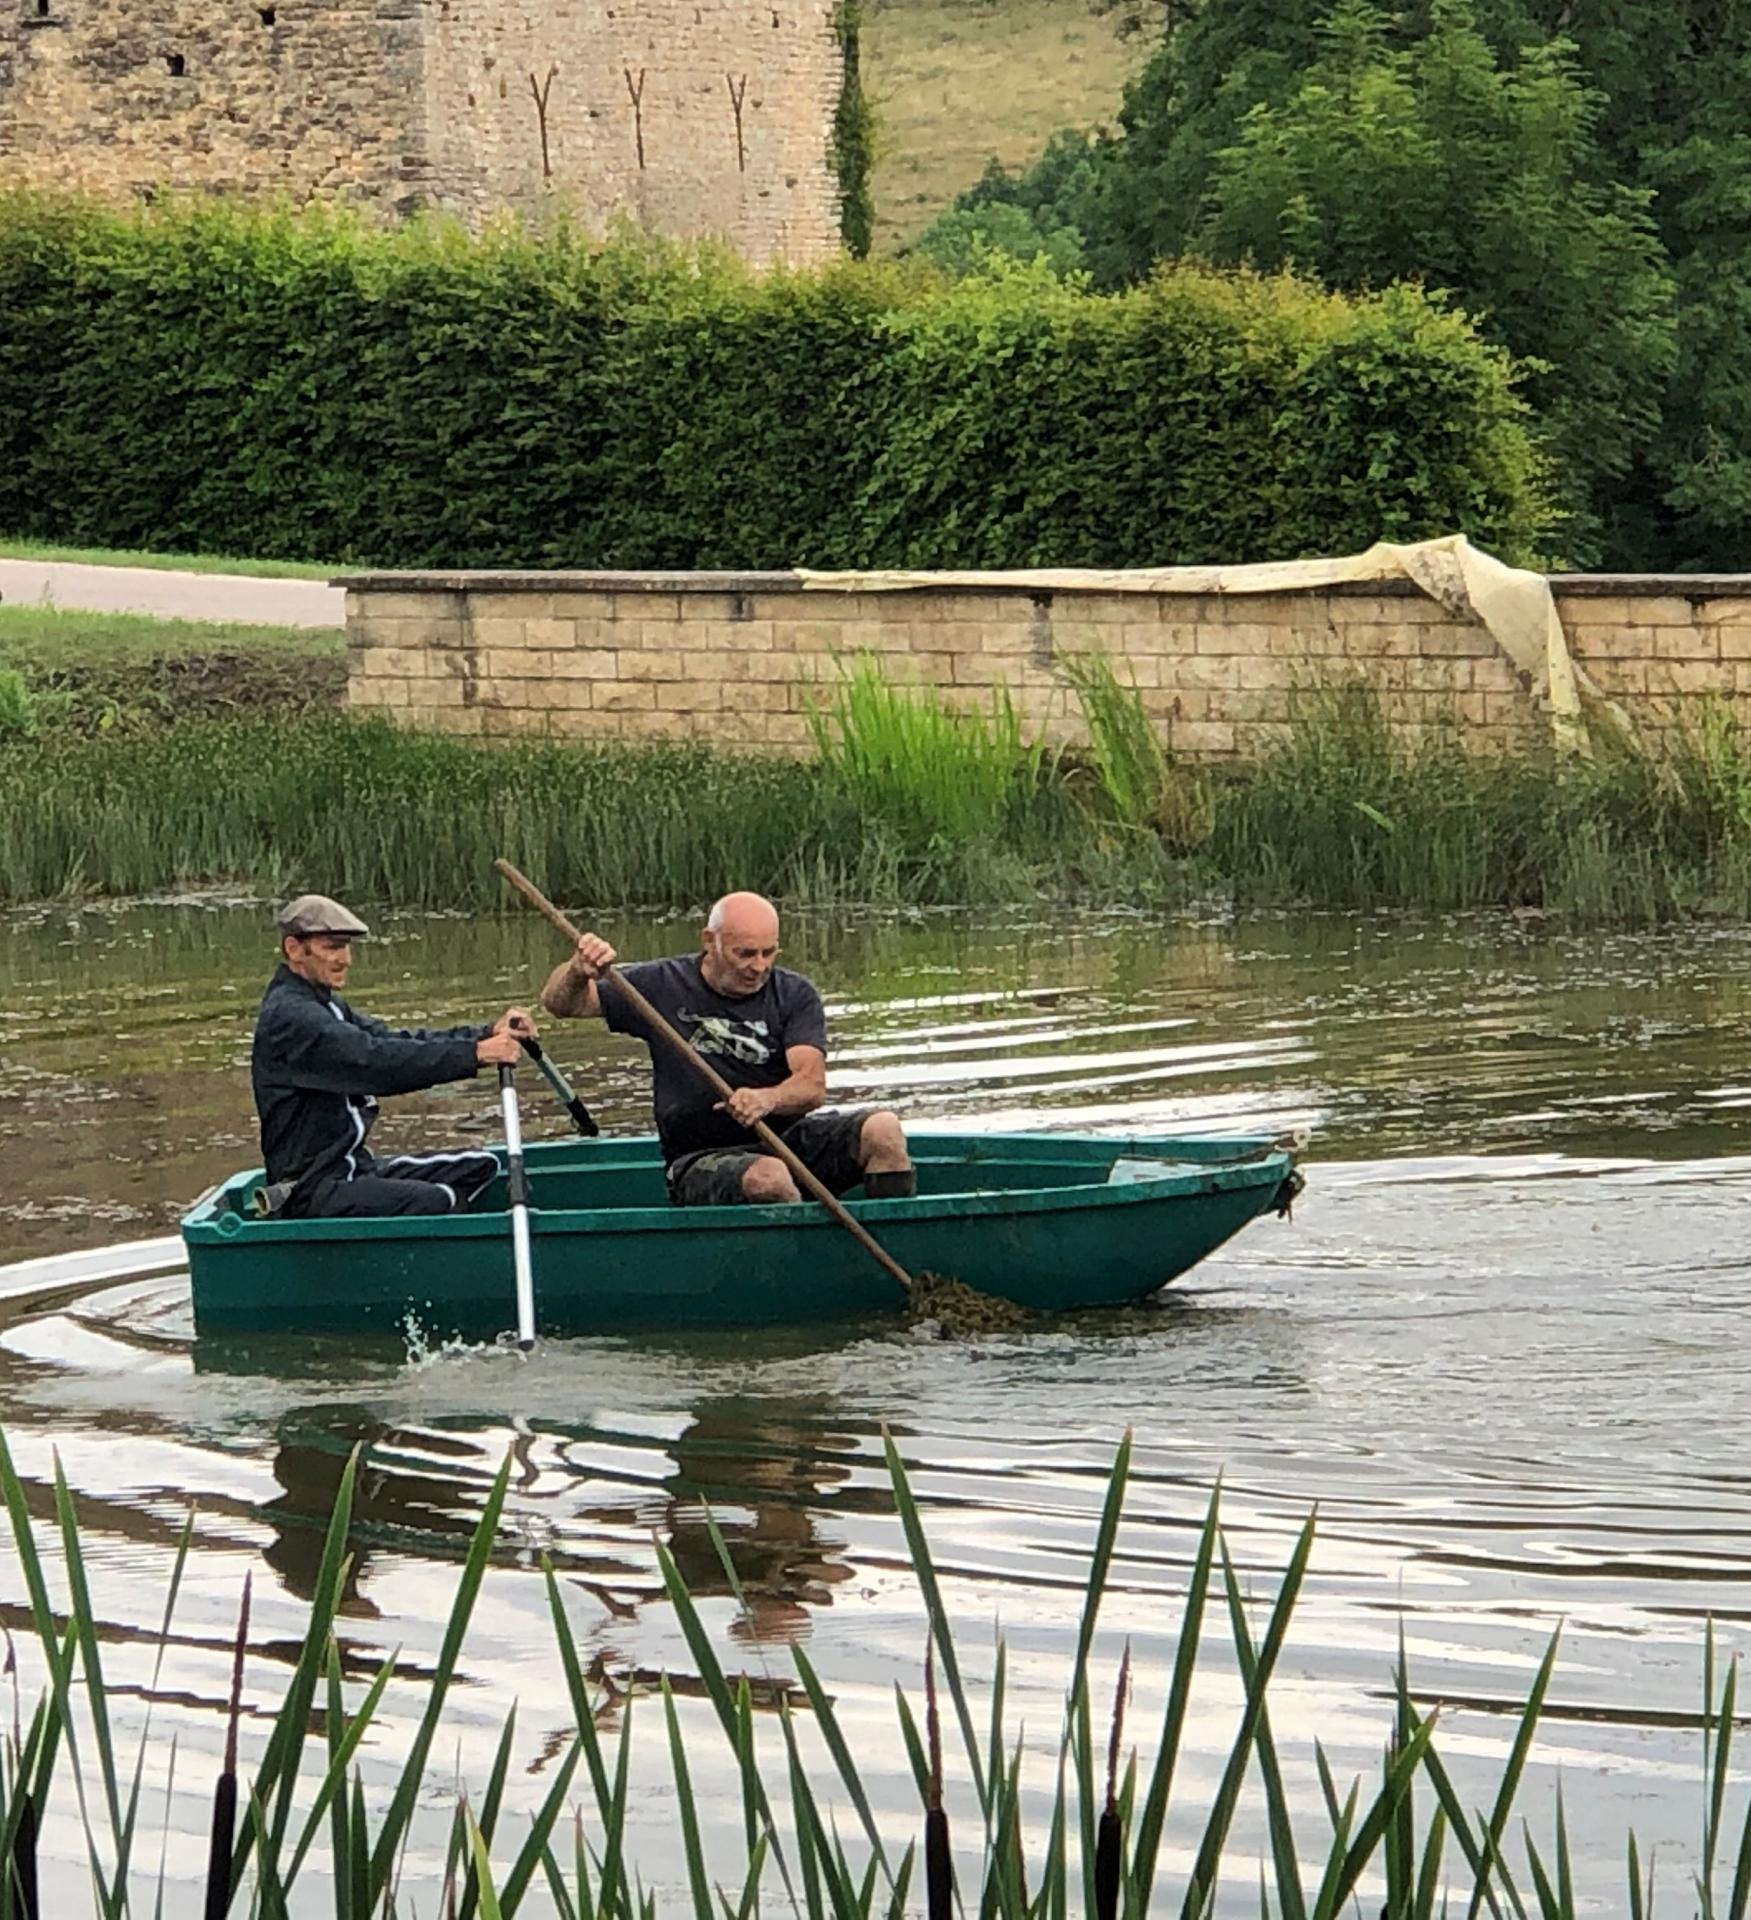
(201, 378)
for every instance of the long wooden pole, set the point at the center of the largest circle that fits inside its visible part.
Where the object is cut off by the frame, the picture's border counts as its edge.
(703, 1067)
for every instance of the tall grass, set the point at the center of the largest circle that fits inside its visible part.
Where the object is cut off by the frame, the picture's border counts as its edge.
(905, 802)
(1104, 1849)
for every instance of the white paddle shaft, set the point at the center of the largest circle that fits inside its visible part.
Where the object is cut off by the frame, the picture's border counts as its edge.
(518, 1182)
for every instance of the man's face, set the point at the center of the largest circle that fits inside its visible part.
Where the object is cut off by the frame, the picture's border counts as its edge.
(322, 959)
(740, 955)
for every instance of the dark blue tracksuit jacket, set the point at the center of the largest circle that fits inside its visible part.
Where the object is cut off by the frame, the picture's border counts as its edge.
(316, 1068)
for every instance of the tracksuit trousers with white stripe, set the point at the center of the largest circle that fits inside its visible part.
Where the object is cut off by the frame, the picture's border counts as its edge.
(408, 1183)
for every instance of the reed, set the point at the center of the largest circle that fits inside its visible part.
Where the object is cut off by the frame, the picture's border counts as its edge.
(1405, 1829)
(905, 802)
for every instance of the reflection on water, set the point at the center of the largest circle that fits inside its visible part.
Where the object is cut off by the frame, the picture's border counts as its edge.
(1498, 1347)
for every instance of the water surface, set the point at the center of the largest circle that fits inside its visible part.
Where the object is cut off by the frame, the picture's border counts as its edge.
(1499, 1348)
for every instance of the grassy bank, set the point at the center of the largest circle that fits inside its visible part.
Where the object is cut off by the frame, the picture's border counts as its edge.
(64, 669)
(954, 82)
(166, 562)
(900, 805)
(1118, 1837)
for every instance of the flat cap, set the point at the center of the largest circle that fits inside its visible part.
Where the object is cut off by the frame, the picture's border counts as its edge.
(313, 913)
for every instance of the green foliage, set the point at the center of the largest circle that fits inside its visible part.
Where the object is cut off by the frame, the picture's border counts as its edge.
(17, 706)
(933, 779)
(853, 136)
(1343, 813)
(1034, 215)
(1089, 1824)
(1441, 160)
(304, 384)
(1552, 165)
(1139, 781)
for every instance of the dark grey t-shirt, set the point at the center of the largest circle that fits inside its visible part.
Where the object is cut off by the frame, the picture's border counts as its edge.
(745, 1040)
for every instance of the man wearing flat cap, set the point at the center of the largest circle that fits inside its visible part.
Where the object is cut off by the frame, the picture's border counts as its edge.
(318, 1067)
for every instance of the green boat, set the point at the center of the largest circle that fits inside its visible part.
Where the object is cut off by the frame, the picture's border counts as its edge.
(1054, 1222)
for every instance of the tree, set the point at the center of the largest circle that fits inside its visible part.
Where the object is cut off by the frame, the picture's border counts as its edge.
(1440, 163)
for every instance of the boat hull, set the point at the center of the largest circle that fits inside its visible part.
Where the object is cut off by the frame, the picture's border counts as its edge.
(1039, 1220)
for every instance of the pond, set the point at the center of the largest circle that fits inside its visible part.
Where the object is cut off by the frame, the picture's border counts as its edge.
(1499, 1347)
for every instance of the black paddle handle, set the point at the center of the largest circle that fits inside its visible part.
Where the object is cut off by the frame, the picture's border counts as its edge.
(582, 1118)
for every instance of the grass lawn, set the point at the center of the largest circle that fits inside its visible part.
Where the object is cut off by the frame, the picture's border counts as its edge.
(46, 639)
(952, 82)
(169, 562)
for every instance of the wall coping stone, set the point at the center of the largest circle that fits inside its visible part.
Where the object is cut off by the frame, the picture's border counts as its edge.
(1686, 586)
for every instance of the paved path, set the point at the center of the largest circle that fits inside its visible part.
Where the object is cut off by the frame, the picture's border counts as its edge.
(172, 596)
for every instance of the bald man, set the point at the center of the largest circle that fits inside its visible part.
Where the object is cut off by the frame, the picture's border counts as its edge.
(763, 1028)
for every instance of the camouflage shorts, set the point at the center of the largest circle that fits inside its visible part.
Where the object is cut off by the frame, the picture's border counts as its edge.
(825, 1141)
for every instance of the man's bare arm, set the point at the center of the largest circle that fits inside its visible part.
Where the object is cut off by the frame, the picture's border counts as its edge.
(802, 1092)
(570, 993)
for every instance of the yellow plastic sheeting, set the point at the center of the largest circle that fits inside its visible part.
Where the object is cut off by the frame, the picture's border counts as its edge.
(1514, 606)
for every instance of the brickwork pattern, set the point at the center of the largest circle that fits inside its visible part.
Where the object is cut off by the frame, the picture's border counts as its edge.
(738, 662)
(698, 117)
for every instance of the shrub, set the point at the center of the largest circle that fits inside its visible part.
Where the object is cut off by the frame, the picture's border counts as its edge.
(203, 378)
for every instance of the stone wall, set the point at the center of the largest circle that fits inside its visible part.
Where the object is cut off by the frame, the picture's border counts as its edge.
(737, 658)
(250, 96)
(699, 119)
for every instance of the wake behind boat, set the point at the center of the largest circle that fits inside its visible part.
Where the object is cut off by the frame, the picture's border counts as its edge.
(1054, 1223)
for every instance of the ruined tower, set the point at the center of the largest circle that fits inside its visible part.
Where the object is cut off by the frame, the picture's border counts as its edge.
(697, 117)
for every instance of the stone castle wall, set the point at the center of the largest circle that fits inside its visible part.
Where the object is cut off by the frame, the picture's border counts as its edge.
(738, 658)
(261, 98)
(698, 117)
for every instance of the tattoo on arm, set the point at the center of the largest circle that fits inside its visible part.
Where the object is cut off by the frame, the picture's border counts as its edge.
(566, 996)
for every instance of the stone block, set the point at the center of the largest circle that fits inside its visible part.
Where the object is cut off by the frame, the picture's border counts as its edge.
(1424, 675)
(591, 663)
(788, 730)
(814, 636)
(500, 723)
(585, 605)
(517, 663)
(1616, 677)
(511, 609)
(653, 726)
(365, 609)
(662, 609)
(757, 696)
(1202, 670)
(1204, 739)
(1263, 670)
(1687, 643)
(394, 663)
(1497, 674)
(1461, 640)
(646, 664)
(418, 635)
(690, 696)
(1694, 677)
(468, 722)
(807, 604)
(1723, 612)
(736, 637)
(1660, 610)
(1735, 641)
(623, 696)
(586, 723)
(497, 634)
(1247, 707)
(551, 635)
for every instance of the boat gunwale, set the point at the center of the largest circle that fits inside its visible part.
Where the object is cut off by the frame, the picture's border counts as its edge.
(1264, 1163)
